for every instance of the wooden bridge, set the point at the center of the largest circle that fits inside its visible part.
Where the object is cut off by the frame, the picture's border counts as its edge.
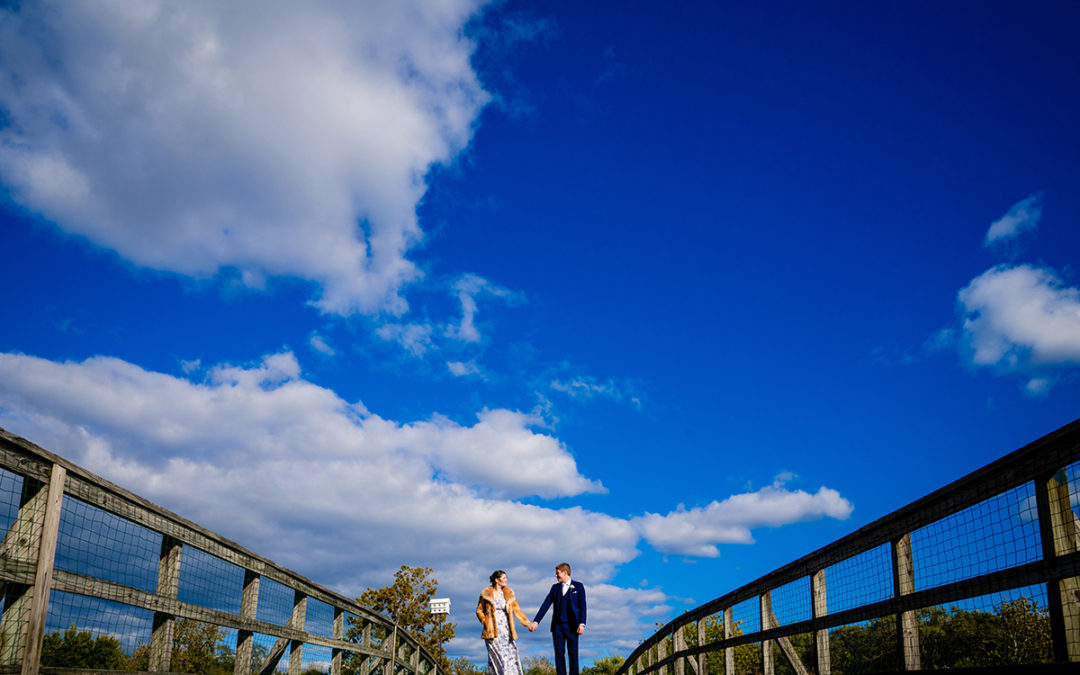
(1007, 533)
(79, 549)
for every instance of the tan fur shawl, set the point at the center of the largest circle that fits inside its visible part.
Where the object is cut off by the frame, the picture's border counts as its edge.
(485, 612)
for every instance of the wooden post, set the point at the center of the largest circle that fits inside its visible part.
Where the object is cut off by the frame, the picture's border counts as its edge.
(20, 548)
(245, 639)
(39, 600)
(388, 668)
(701, 642)
(661, 653)
(907, 625)
(1060, 536)
(769, 620)
(339, 634)
(677, 647)
(729, 652)
(821, 636)
(365, 640)
(296, 621)
(765, 603)
(168, 586)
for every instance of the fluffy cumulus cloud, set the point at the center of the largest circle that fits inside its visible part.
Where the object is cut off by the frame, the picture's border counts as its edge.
(1023, 215)
(328, 478)
(697, 531)
(1021, 318)
(261, 139)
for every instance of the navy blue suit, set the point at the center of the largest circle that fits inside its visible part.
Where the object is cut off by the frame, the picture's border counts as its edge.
(568, 615)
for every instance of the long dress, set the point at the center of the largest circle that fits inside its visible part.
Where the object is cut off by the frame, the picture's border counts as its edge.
(502, 651)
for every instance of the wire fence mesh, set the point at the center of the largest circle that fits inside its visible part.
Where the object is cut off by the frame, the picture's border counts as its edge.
(132, 587)
(984, 572)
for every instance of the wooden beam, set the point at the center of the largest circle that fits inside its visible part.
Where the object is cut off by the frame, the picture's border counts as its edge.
(296, 622)
(821, 636)
(337, 655)
(39, 602)
(907, 625)
(729, 652)
(168, 586)
(245, 639)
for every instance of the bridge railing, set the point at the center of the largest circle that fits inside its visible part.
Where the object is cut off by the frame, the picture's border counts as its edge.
(1007, 534)
(81, 553)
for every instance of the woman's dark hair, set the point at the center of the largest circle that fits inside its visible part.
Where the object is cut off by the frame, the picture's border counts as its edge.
(495, 575)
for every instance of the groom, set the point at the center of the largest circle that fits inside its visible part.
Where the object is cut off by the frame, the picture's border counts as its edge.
(568, 619)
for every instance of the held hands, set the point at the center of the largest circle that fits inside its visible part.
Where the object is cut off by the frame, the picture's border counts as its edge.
(532, 626)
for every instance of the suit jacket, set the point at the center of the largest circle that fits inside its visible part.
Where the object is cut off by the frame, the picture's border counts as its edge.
(575, 609)
(485, 611)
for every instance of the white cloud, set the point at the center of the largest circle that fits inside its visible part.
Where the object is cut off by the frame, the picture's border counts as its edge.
(697, 531)
(431, 492)
(1016, 318)
(469, 288)
(270, 138)
(461, 369)
(414, 337)
(1038, 386)
(1023, 215)
(319, 344)
(586, 387)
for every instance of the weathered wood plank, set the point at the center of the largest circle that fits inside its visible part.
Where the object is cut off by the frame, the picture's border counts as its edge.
(821, 635)
(904, 584)
(39, 602)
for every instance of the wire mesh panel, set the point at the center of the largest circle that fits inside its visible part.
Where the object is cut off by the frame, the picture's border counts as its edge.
(1068, 534)
(997, 629)
(320, 618)
(794, 654)
(995, 534)
(96, 543)
(746, 617)
(865, 647)
(275, 602)
(749, 659)
(791, 602)
(859, 580)
(130, 626)
(262, 645)
(10, 490)
(316, 657)
(209, 581)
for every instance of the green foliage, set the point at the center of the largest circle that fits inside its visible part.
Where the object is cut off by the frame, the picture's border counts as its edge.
(406, 603)
(1017, 632)
(463, 666)
(197, 649)
(608, 665)
(538, 665)
(866, 648)
(80, 649)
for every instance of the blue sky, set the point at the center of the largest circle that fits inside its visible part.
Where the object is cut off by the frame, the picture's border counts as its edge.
(675, 293)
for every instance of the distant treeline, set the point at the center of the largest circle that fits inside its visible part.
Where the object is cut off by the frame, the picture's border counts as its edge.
(1016, 632)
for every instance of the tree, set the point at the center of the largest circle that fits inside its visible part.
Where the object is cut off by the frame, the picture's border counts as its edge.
(80, 649)
(1025, 636)
(538, 665)
(463, 666)
(406, 603)
(196, 649)
(609, 665)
